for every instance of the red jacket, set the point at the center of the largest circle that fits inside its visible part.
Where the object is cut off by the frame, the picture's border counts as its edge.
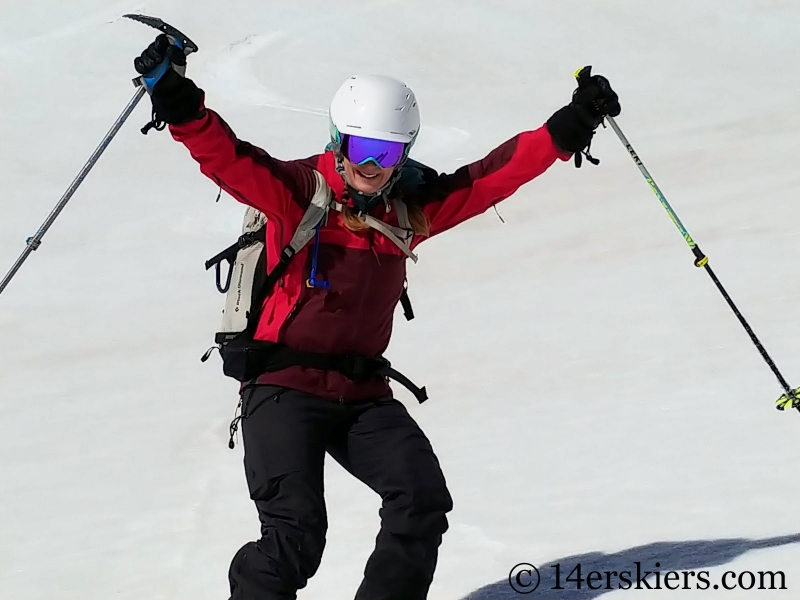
(366, 271)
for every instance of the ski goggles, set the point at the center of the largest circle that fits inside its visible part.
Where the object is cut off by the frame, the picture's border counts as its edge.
(363, 150)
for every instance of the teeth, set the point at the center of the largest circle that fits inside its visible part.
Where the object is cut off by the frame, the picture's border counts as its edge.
(365, 176)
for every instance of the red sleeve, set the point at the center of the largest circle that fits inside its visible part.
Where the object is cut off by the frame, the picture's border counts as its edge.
(476, 187)
(247, 173)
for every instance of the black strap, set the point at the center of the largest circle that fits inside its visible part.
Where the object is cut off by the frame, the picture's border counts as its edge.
(287, 254)
(408, 310)
(276, 357)
(245, 241)
(420, 393)
(155, 123)
(587, 153)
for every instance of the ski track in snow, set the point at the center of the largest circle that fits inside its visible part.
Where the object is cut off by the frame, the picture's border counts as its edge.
(229, 76)
(107, 16)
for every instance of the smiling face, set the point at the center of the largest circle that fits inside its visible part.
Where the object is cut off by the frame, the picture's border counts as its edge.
(368, 178)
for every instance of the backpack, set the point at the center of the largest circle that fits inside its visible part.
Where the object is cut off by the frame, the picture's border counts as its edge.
(248, 284)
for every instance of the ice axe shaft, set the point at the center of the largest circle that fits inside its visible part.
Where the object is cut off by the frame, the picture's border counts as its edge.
(33, 242)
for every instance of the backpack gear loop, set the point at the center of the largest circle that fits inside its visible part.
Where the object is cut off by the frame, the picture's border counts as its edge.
(229, 254)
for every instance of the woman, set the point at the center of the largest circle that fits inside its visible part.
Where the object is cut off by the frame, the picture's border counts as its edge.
(338, 298)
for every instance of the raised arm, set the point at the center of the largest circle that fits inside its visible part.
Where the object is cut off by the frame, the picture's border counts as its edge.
(277, 188)
(474, 188)
(246, 172)
(471, 190)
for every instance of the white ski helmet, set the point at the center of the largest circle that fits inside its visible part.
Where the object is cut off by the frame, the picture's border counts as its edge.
(374, 106)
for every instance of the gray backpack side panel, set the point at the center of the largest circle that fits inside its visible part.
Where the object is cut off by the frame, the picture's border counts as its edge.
(239, 296)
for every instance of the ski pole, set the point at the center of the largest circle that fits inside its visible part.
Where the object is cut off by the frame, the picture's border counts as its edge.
(791, 397)
(33, 242)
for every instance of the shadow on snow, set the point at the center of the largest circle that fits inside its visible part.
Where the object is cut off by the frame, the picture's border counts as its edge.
(672, 556)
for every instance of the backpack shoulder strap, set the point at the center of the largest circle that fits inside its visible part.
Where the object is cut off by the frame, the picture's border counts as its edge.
(402, 217)
(405, 226)
(315, 214)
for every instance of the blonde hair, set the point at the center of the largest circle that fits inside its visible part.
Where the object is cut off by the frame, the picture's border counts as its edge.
(420, 224)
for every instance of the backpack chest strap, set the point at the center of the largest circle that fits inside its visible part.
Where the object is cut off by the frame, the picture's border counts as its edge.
(399, 236)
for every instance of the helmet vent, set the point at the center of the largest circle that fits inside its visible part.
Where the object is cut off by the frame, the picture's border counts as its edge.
(363, 106)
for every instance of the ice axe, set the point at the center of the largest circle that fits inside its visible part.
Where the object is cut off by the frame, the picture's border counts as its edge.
(791, 396)
(33, 242)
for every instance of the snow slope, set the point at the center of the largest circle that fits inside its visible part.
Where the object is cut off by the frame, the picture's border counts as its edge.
(592, 396)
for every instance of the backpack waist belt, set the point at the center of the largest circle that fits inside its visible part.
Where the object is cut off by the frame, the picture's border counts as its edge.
(245, 360)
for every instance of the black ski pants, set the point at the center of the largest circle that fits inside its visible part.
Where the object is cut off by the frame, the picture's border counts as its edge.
(286, 435)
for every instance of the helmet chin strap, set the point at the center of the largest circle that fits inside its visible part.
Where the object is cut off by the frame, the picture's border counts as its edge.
(366, 202)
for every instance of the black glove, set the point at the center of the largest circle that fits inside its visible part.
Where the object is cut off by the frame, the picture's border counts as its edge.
(176, 99)
(573, 126)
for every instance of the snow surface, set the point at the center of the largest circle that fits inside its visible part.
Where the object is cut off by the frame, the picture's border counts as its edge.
(592, 395)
